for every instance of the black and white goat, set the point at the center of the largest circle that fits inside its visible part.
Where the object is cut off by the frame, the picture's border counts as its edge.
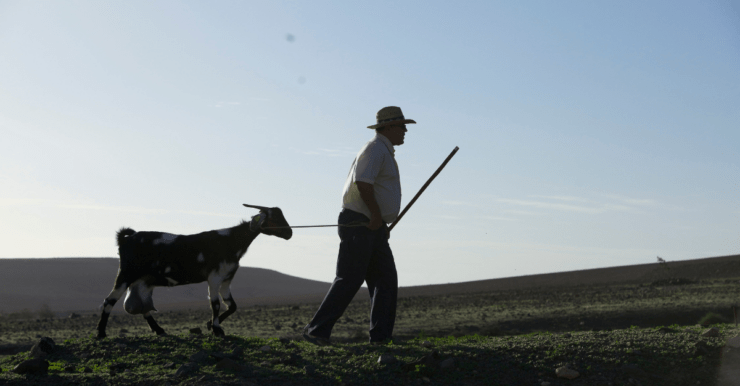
(157, 259)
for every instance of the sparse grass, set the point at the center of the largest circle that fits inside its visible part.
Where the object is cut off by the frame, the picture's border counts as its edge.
(490, 313)
(650, 355)
(509, 337)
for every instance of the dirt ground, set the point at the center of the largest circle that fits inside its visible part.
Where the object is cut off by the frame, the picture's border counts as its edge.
(629, 334)
(646, 330)
(505, 312)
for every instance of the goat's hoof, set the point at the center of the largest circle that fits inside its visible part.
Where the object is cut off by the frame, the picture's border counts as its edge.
(101, 336)
(219, 332)
(209, 325)
(161, 333)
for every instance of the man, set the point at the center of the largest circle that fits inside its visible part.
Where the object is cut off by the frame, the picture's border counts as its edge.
(372, 196)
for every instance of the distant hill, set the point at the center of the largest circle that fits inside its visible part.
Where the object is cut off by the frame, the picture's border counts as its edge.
(81, 284)
(694, 269)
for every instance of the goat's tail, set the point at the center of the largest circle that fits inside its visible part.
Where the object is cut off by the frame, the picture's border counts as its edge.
(122, 234)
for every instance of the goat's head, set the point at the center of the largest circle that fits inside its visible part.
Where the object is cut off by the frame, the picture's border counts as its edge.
(267, 221)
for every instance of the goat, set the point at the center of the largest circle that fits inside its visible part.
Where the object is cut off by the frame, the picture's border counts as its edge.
(157, 259)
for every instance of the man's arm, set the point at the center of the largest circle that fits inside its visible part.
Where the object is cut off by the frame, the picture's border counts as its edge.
(368, 197)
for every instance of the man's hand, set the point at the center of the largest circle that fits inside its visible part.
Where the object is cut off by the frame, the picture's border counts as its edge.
(367, 193)
(375, 222)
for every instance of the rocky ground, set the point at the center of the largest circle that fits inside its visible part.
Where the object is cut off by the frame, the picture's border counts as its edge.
(636, 356)
(631, 334)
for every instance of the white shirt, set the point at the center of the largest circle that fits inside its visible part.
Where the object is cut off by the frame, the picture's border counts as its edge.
(376, 165)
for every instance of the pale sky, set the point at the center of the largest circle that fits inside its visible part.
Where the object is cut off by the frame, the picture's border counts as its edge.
(591, 134)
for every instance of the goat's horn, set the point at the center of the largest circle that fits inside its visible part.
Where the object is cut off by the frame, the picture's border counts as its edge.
(256, 207)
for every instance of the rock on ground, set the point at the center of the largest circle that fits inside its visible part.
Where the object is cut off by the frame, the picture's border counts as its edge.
(32, 366)
(447, 363)
(199, 356)
(710, 332)
(227, 364)
(702, 348)
(564, 372)
(386, 359)
(430, 359)
(186, 369)
(44, 347)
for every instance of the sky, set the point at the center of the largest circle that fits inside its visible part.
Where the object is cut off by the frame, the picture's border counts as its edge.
(591, 134)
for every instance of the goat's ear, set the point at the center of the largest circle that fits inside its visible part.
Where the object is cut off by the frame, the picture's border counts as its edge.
(260, 208)
(257, 221)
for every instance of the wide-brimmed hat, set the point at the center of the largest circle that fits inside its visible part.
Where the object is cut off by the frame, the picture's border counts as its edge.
(390, 115)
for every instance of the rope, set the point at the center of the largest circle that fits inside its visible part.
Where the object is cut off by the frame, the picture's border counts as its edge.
(350, 225)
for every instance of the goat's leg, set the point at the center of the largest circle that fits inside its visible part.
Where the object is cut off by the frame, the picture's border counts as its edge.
(153, 324)
(118, 289)
(228, 299)
(214, 323)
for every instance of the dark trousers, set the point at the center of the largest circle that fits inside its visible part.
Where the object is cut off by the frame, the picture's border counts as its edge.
(364, 256)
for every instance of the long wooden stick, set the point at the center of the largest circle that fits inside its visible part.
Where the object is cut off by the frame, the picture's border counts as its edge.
(429, 181)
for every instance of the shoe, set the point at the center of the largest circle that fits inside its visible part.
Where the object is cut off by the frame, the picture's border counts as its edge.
(317, 340)
(383, 342)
